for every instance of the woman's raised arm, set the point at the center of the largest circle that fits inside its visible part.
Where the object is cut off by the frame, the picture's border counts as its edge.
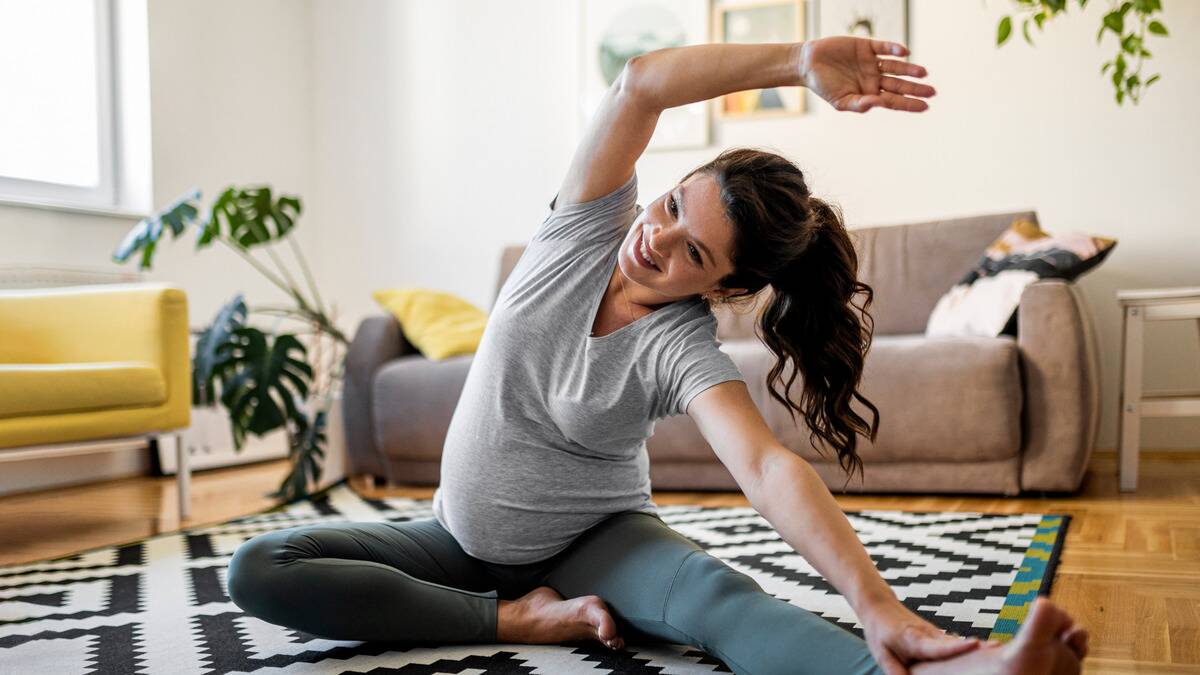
(848, 72)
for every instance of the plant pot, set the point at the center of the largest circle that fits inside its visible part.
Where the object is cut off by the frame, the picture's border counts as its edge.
(209, 443)
(333, 468)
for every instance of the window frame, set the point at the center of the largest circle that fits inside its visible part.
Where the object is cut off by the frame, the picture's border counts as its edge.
(103, 196)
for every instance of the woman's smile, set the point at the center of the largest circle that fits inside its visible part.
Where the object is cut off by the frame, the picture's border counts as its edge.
(642, 255)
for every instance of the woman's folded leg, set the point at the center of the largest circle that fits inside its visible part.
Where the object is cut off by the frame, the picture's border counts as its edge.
(408, 581)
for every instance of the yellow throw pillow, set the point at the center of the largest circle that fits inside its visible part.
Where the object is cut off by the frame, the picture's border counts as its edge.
(438, 324)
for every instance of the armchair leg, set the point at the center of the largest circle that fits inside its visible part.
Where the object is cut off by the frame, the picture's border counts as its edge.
(183, 478)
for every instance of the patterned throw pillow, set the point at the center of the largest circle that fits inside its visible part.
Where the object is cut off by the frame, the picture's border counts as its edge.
(984, 302)
(439, 325)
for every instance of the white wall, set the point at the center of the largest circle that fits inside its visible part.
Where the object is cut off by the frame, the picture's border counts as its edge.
(444, 128)
(230, 104)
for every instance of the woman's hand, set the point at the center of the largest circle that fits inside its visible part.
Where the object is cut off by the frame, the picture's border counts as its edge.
(852, 74)
(897, 638)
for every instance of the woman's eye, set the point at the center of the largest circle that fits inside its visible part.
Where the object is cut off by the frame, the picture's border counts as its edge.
(671, 204)
(695, 254)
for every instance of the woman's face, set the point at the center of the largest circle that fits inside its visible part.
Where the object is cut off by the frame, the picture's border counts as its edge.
(688, 238)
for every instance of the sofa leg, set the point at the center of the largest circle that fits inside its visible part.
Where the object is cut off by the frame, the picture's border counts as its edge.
(183, 478)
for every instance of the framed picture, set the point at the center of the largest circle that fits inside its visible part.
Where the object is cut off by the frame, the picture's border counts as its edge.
(878, 19)
(615, 31)
(775, 21)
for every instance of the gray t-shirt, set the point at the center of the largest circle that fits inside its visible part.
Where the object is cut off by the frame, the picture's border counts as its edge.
(549, 434)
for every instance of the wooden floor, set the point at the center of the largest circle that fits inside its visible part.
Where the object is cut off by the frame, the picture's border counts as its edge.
(1130, 569)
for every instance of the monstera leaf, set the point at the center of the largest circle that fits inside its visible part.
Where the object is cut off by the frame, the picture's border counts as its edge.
(207, 364)
(305, 452)
(145, 235)
(248, 215)
(265, 383)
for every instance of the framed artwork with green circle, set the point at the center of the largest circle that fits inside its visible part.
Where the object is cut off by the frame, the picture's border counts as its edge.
(615, 31)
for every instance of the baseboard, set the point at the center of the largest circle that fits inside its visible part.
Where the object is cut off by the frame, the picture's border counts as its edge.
(1153, 453)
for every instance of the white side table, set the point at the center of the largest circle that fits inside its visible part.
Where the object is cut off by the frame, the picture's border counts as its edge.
(1140, 306)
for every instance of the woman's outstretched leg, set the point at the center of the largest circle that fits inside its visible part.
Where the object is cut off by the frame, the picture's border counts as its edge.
(663, 586)
(407, 581)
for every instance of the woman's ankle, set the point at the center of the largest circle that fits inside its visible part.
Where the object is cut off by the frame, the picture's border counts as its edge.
(509, 621)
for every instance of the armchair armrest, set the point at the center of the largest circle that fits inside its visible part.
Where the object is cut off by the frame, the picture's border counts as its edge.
(377, 341)
(132, 322)
(1061, 375)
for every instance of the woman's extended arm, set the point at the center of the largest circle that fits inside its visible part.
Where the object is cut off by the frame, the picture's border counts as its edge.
(787, 491)
(848, 72)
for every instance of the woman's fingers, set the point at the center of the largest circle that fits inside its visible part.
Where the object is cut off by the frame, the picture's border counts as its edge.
(898, 86)
(885, 47)
(904, 68)
(859, 104)
(898, 102)
(942, 647)
(887, 99)
(890, 665)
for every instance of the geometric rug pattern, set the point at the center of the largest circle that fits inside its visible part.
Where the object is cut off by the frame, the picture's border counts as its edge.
(159, 605)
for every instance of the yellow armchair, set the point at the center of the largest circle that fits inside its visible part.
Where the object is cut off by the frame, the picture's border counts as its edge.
(83, 367)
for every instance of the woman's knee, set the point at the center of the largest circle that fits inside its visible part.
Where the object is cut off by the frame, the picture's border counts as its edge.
(707, 596)
(252, 574)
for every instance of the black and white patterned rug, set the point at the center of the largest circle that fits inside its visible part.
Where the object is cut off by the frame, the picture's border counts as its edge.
(159, 606)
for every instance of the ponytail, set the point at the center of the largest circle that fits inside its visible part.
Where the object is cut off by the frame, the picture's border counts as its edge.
(798, 245)
(811, 320)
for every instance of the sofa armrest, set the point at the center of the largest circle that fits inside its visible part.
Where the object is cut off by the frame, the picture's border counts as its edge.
(1061, 375)
(377, 341)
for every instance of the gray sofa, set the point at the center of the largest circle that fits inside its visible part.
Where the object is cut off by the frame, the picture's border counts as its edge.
(971, 415)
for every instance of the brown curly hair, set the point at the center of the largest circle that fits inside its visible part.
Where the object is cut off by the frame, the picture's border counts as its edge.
(798, 244)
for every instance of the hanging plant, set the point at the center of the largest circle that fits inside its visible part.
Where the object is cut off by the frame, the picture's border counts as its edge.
(1127, 78)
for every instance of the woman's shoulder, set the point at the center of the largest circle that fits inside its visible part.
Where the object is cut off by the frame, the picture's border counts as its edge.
(597, 220)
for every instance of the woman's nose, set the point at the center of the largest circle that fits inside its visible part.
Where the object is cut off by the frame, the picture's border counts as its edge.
(657, 236)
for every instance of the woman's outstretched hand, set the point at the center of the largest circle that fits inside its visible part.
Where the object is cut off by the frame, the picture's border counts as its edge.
(897, 638)
(853, 74)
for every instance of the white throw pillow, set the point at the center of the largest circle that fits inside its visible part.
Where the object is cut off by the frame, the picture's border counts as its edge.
(981, 308)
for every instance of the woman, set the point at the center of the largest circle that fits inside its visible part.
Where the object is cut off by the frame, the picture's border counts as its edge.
(544, 530)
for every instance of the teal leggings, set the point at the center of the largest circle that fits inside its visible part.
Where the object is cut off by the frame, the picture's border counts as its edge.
(411, 581)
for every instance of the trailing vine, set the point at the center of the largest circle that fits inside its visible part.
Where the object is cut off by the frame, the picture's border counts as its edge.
(1126, 66)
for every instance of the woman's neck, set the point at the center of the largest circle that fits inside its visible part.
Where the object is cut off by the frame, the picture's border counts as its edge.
(641, 299)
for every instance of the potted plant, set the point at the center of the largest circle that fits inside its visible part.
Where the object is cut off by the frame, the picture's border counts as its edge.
(266, 380)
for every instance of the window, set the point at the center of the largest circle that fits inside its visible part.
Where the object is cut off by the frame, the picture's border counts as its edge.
(74, 123)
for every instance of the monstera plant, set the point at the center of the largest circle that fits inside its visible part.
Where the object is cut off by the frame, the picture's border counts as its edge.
(266, 380)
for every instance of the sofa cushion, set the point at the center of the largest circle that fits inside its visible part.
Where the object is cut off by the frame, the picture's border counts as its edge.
(910, 266)
(438, 324)
(984, 301)
(961, 396)
(413, 400)
(907, 266)
(55, 388)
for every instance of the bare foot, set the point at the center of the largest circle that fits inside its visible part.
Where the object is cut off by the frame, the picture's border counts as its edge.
(542, 616)
(1050, 643)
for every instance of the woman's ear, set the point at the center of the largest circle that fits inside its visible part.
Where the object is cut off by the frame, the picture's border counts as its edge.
(723, 293)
